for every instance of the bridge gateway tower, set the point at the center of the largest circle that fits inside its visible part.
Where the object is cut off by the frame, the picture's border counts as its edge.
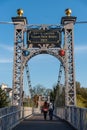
(44, 39)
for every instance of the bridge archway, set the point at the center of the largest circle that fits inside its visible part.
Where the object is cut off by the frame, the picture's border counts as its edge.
(50, 52)
(43, 70)
(54, 56)
(44, 39)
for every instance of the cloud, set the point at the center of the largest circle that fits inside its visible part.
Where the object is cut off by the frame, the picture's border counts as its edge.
(6, 60)
(8, 50)
(6, 47)
(81, 49)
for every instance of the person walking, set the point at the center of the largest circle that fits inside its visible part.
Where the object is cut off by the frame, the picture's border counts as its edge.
(51, 108)
(45, 109)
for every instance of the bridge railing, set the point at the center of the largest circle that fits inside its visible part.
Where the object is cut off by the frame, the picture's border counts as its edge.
(10, 117)
(77, 117)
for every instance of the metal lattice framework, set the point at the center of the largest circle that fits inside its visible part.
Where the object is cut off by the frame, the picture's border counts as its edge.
(18, 60)
(70, 68)
(23, 54)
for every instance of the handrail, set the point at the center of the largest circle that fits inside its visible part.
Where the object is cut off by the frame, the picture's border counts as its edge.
(75, 116)
(9, 114)
(11, 119)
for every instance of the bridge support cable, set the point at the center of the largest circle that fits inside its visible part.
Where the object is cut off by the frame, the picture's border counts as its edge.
(60, 74)
(28, 79)
(58, 89)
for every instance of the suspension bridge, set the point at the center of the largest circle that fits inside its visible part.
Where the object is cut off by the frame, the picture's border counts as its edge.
(43, 39)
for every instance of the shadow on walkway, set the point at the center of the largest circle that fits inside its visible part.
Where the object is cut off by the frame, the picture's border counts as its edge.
(37, 122)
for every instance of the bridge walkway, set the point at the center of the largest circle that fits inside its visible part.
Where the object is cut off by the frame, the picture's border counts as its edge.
(37, 122)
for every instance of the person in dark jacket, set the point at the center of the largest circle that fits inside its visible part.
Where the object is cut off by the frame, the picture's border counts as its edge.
(45, 109)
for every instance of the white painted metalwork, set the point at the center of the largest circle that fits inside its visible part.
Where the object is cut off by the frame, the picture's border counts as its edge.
(22, 54)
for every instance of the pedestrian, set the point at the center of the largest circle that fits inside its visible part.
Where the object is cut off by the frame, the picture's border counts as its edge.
(51, 108)
(45, 109)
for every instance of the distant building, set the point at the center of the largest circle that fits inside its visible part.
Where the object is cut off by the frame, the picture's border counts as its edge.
(3, 86)
(42, 99)
(8, 91)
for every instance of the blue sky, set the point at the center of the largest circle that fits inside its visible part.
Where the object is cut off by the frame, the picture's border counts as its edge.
(43, 68)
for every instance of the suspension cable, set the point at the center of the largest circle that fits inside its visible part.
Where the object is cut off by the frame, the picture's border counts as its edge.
(3, 22)
(60, 74)
(81, 22)
(28, 78)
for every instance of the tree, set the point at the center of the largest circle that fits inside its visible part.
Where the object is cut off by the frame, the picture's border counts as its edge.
(78, 87)
(39, 90)
(58, 95)
(81, 95)
(3, 99)
(35, 99)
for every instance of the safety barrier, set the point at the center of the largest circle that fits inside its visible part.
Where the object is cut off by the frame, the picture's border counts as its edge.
(10, 117)
(77, 117)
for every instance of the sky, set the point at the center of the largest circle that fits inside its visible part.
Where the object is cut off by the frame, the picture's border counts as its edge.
(43, 68)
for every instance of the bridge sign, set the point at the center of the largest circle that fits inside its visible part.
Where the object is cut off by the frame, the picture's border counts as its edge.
(49, 37)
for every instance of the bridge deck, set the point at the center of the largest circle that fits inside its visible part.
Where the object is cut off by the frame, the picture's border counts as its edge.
(37, 122)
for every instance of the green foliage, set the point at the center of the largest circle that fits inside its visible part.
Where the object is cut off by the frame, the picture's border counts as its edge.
(58, 95)
(81, 102)
(35, 100)
(81, 94)
(3, 99)
(28, 102)
(40, 90)
(36, 91)
(53, 94)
